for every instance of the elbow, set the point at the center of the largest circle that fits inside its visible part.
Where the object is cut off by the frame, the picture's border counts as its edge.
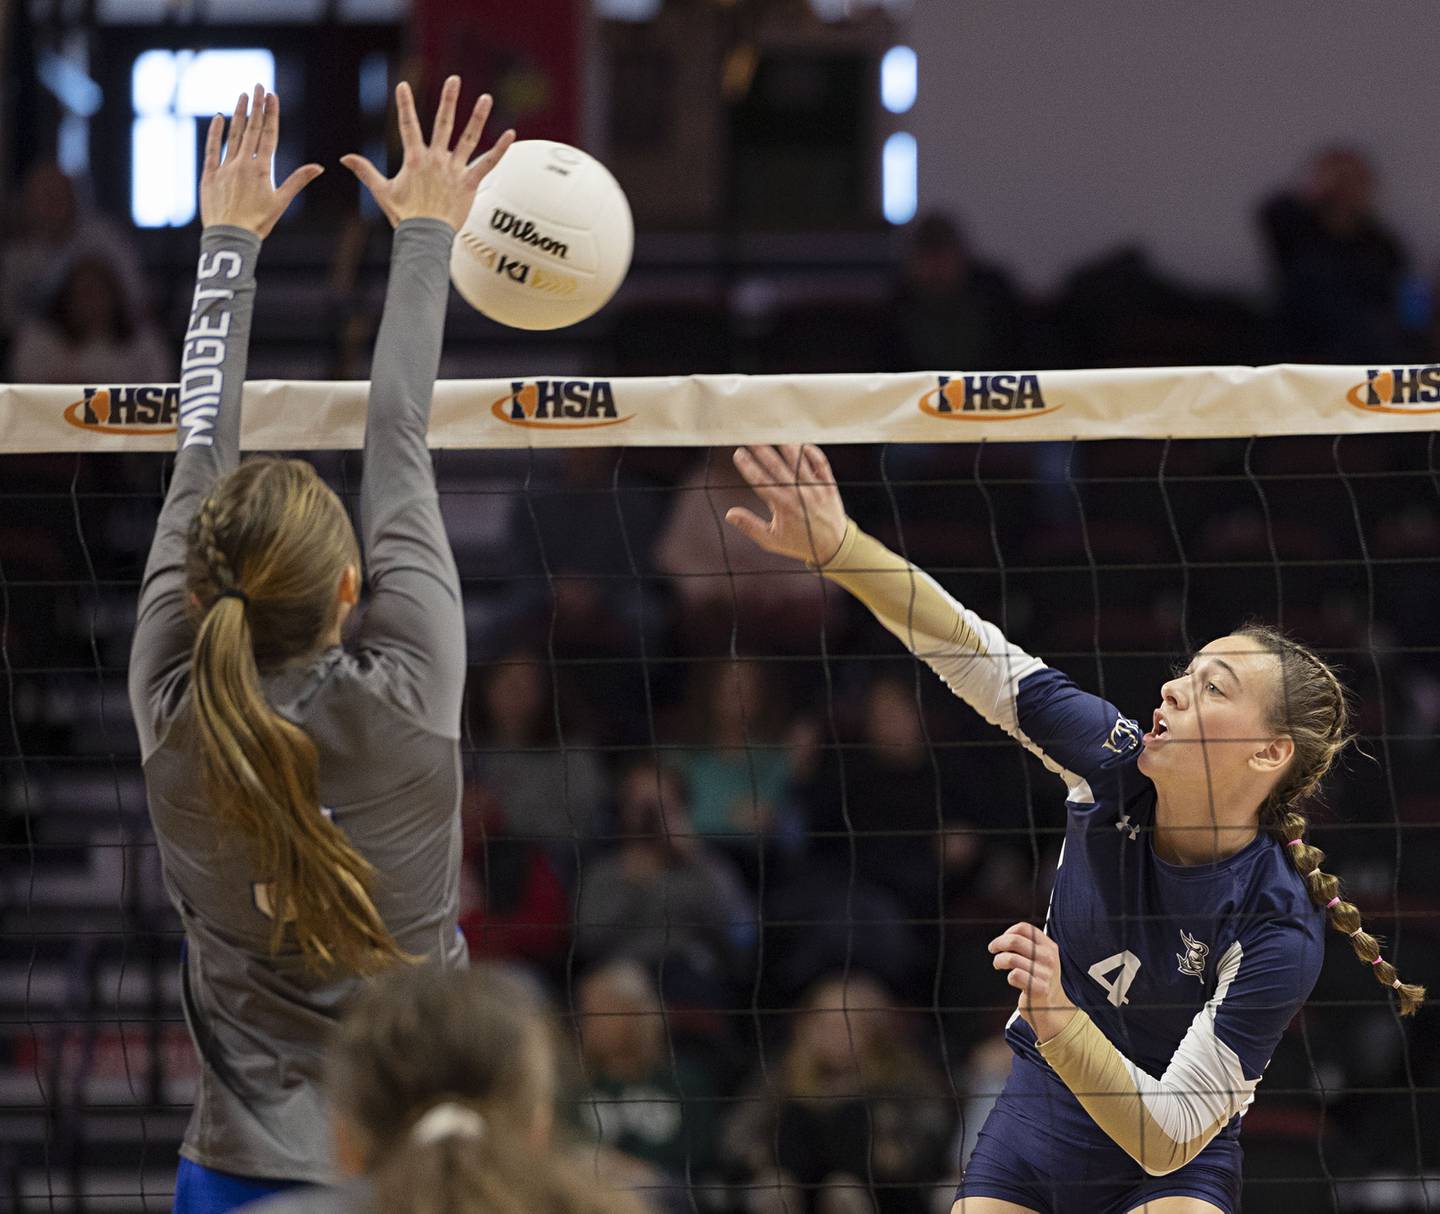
(1162, 1154)
(1165, 1158)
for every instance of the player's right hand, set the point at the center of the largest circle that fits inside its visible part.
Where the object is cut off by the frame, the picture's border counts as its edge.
(807, 517)
(435, 181)
(237, 190)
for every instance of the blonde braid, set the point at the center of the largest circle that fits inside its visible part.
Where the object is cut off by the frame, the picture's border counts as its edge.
(1316, 715)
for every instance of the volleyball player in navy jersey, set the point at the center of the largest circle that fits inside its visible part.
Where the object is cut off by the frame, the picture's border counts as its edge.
(305, 794)
(1187, 917)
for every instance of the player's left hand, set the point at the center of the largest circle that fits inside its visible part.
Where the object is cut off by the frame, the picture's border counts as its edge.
(238, 190)
(1033, 962)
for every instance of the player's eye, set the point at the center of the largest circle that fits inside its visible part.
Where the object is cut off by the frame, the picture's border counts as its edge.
(1212, 687)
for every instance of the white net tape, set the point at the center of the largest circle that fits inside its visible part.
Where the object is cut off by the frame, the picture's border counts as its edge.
(714, 410)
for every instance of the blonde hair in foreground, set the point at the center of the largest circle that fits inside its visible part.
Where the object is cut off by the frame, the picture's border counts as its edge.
(1310, 707)
(476, 1039)
(273, 531)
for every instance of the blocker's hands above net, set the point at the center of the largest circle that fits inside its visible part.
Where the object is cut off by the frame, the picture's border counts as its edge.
(807, 517)
(238, 190)
(435, 181)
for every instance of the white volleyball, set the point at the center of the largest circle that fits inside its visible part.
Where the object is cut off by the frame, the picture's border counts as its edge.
(548, 240)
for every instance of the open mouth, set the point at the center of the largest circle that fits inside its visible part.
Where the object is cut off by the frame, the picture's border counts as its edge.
(1158, 730)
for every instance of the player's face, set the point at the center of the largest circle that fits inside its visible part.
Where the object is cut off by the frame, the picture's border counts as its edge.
(1212, 718)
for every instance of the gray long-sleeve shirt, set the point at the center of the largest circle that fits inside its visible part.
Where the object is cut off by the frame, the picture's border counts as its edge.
(383, 714)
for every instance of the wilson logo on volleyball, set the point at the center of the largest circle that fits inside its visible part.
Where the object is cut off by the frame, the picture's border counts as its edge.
(151, 409)
(1398, 390)
(525, 231)
(986, 398)
(517, 270)
(560, 404)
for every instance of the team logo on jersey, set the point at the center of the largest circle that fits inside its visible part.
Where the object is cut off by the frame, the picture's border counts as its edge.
(986, 398)
(1192, 960)
(1398, 390)
(1124, 736)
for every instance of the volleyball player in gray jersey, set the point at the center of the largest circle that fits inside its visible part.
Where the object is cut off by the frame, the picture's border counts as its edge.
(304, 793)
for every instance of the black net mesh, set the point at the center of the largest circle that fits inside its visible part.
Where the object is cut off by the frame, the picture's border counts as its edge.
(734, 831)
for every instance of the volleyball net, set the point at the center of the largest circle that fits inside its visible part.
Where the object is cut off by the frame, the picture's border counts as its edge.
(852, 835)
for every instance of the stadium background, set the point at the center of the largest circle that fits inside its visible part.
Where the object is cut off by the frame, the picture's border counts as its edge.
(1144, 187)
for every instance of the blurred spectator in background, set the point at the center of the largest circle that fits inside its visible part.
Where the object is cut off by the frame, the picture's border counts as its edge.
(854, 1118)
(90, 332)
(664, 897)
(527, 816)
(645, 1095)
(49, 234)
(545, 788)
(1340, 272)
(728, 587)
(953, 312)
(740, 780)
(888, 799)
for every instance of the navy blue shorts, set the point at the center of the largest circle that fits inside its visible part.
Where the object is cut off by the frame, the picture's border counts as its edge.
(1041, 1155)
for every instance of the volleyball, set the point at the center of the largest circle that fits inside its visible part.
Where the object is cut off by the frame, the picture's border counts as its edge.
(548, 240)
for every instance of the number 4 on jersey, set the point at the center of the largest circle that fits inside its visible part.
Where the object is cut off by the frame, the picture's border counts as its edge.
(1128, 964)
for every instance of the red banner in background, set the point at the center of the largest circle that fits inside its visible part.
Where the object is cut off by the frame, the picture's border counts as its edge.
(527, 55)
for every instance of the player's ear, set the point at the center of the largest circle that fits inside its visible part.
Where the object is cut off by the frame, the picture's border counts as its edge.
(348, 591)
(1275, 754)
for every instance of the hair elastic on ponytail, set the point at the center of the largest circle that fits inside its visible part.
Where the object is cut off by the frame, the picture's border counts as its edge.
(448, 1120)
(1333, 903)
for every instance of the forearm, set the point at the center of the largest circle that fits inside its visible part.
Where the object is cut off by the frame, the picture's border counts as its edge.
(212, 370)
(971, 655)
(212, 379)
(1160, 1123)
(398, 466)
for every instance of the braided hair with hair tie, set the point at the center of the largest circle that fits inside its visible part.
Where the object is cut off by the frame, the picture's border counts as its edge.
(1313, 710)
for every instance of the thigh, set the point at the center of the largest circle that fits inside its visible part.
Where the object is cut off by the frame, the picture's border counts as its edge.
(1208, 1184)
(988, 1205)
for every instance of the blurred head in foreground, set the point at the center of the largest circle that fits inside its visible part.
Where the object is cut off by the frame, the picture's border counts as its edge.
(443, 1086)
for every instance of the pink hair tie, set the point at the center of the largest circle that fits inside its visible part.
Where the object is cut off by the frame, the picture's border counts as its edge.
(1334, 902)
(1377, 960)
(1295, 843)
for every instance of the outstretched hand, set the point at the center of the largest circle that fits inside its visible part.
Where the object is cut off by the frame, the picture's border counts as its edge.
(807, 518)
(1033, 961)
(435, 181)
(238, 190)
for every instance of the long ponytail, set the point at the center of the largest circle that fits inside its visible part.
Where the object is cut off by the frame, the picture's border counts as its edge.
(1312, 709)
(266, 553)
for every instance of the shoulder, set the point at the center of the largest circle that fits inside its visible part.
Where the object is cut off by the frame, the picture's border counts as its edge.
(1280, 926)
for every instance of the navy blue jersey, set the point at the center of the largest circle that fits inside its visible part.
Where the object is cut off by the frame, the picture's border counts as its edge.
(1188, 975)
(1145, 945)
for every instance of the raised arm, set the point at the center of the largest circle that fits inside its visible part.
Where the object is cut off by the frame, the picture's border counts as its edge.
(1066, 727)
(239, 207)
(416, 618)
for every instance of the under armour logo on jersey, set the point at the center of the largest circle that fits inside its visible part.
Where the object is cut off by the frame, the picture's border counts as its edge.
(1124, 736)
(1126, 825)
(1192, 960)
